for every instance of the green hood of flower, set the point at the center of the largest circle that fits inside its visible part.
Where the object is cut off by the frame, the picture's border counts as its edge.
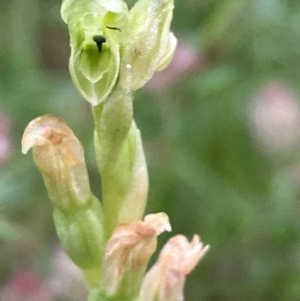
(111, 44)
(95, 40)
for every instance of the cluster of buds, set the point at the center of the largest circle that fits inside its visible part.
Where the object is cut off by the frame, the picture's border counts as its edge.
(114, 51)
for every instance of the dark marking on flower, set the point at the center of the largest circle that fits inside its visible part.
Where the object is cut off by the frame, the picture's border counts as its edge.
(99, 40)
(114, 28)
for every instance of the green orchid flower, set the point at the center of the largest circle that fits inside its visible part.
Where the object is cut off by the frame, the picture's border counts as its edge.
(110, 44)
(95, 39)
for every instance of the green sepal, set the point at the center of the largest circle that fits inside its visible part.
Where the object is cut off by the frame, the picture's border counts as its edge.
(72, 10)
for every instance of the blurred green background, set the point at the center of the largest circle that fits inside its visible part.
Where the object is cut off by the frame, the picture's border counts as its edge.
(221, 130)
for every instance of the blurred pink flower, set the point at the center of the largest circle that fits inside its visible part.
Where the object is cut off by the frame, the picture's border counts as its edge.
(185, 61)
(25, 286)
(67, 281)
(275, 119)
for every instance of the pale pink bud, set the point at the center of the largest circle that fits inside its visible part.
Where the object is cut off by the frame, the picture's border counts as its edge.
(128, 252)
(165, 280)
(60, 158)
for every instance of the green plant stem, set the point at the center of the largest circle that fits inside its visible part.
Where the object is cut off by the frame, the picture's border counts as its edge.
(113, 120)
(121, 161)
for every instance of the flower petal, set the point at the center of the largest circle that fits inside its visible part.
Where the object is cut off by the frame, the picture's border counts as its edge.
(165, 280)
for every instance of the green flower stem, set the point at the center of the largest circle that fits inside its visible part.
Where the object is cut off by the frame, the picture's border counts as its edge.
(120, 159)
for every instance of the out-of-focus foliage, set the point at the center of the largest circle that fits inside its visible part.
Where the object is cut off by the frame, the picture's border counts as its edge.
(215, 136)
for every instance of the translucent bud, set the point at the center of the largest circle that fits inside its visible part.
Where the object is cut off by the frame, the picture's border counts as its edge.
(96, 31)
(59, 156)
(127, 254)
(165, 280)
(152, 44)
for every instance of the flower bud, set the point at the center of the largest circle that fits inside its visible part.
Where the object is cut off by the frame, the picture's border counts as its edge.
(60, 158)
(152, 44)
(78, 214)
(127, 255)
(165, 280)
